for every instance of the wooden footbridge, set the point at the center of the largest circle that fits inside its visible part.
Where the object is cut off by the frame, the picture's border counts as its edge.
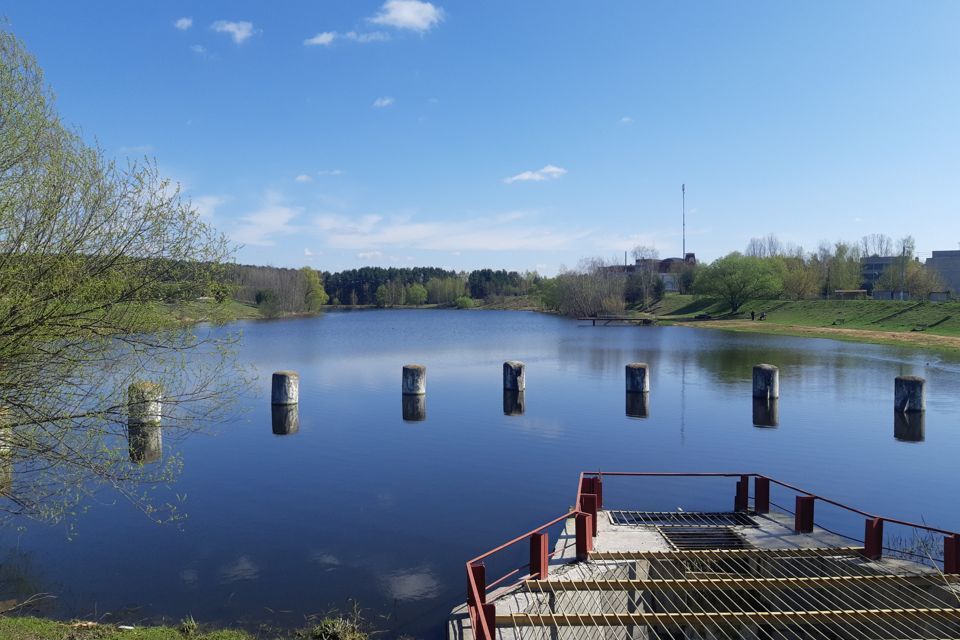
(616, 321)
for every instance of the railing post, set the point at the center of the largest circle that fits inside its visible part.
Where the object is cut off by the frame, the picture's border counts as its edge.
(761, 495)
(584, 528)
(489, 613)
(479, 574)
(588, 504)
(594, 486)
(951, 554)
(742, 499)
(873, 539)
(539, 555)
(803, 519)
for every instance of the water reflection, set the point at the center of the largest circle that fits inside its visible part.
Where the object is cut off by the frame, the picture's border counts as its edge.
(909, 427)
(145, 442)
(513, 403)
(243, 568)
(766, 412)
(638, 405)
(414, 408)
(285, 418)
(411, 584)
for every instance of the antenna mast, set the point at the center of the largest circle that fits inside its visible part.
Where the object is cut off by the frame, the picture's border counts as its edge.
(683, 191)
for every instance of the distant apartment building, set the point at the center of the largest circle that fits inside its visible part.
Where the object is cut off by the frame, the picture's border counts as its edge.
(872, 267)
(667, 269)
(947, 264)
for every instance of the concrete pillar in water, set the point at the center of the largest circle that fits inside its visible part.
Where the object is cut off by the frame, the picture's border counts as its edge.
(909, 427)
(285, 388)
(144, 412)
(414, 380)
(909, 394)
(638, 377)
(638, 405)
(514, 375)
(513, 402)
(414, 408)
(766, 381)
(766, 412)
(285, 418)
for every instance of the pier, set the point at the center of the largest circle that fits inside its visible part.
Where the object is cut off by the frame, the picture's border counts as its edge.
(756, 571)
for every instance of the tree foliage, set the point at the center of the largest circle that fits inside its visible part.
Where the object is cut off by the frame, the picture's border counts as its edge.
(737, 279)
(88, 250)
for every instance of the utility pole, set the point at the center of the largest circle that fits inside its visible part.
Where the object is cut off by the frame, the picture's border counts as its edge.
(903, 267)
(683, 192)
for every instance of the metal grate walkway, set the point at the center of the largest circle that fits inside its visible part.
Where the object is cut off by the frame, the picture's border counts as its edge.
(717, 593)
(680, 519)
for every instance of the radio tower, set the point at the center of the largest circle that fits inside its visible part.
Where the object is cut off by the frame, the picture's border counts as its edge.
(683, 192)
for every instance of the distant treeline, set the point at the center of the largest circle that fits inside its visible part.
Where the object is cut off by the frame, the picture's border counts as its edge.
(279, 290)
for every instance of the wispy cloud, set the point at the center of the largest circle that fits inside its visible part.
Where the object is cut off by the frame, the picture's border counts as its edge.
(260, 227)
(303, 178)
(330, 172)
(240, 31)
(626, 120)
(504, 232)
(322, 39)
(206, 206)
(198, 48)
(408, 14)
(383, 102)
(327, 38)
(137, 150)
(549, 172)
(183, 23)
(369, 36)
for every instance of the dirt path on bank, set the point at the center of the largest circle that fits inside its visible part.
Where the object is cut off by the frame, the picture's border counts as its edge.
(907, 338)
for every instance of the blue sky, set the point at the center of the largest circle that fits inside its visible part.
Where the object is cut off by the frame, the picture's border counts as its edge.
(522, 135)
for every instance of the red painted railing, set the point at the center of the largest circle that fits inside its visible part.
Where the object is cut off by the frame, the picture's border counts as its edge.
(589, 502)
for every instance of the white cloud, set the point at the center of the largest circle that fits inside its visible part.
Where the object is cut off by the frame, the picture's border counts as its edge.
(327, 38)
(206, 206)
(505, 232)
(183, 23)
(240, 31)
(370, 255)
(383, 102)
(330, 172)
(370, 36)
(626, 120)
(408, 14)
(273, 218)
(303, 178)
(198, 48)
(549, 172)
(323, 39)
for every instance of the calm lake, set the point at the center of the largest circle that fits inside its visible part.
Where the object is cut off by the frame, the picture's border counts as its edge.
(359, 503)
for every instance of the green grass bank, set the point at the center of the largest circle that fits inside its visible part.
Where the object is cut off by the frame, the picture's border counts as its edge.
(920, 323)
(29, 628)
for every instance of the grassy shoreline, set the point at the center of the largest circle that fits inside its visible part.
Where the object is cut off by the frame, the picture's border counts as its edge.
(32, 628)
(932, 325)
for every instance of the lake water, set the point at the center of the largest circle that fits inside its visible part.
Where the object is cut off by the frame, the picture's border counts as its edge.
(359, 503)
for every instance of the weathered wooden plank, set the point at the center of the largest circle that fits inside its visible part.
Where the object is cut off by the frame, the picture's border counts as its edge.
(725, 553)
(720, 617)
(699, 584)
